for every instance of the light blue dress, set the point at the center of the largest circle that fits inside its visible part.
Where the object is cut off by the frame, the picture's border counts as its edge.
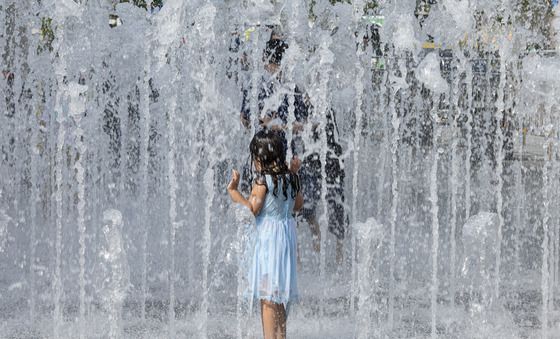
(272, 271)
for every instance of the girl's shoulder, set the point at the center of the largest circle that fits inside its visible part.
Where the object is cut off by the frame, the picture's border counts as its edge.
(269, 177)
(261, 179)
(268, 180)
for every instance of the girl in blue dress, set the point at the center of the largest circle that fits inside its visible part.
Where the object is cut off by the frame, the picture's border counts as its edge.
(275, 196)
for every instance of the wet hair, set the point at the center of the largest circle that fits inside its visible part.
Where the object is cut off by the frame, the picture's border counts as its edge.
(269, 149)
(274, 50)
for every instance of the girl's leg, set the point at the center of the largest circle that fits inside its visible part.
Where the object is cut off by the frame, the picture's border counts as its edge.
(268, 315)
(281, 329)
(273, 320)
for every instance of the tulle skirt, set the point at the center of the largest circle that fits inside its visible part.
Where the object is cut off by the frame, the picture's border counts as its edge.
(272, 262)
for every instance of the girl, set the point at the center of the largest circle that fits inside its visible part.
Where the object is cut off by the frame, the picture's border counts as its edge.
(275, 196)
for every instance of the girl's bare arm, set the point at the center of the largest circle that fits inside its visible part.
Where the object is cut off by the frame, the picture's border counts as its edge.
(298, 204)
(256, 199)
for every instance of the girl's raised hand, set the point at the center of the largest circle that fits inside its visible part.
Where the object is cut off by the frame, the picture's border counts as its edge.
(234, 180)
(295, 165)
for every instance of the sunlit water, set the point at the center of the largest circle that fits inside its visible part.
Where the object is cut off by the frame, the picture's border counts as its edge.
(117, 144)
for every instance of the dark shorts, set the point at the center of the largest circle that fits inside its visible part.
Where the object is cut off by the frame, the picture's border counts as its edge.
(311, 181)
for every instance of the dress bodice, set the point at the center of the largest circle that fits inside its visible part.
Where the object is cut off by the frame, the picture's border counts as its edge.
(277, 206)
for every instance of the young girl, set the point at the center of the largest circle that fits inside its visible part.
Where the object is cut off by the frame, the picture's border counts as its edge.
(275, 196)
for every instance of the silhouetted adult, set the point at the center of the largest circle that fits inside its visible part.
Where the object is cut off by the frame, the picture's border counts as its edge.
(272, 111)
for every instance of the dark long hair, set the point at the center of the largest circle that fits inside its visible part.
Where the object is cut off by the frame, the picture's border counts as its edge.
(269, 148)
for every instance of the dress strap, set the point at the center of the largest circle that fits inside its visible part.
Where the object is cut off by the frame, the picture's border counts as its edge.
(269, 182)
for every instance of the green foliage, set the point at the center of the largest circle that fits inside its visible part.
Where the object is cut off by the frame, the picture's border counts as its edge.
(143, 3)
(371, 7)
(47, 35)
(536, 15)
(47, 30)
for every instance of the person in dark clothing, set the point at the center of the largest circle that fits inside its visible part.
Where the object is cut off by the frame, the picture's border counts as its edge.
(312, 180)
(273, 108)
(272, 96)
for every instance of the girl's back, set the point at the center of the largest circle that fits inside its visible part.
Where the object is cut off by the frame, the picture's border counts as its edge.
(279, 206)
